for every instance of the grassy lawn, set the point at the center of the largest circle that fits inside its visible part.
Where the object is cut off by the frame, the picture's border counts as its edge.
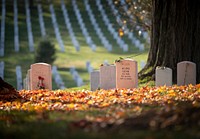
(70, 57)
(57, 125)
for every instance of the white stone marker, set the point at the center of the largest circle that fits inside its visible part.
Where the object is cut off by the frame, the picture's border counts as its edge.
(40, 73)
(25, 83)
(2, 69)
(2, 33)
(186, 73)
(163, 76)
(19, 78)
(126, 74)
(29, 26)
(108, 77)
(28, 79)
(94, 80)
(16, 29)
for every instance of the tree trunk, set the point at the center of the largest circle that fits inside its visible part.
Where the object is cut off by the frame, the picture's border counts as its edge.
(175, 35)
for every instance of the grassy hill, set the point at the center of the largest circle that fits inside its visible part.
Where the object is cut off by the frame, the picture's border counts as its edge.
(70, 57)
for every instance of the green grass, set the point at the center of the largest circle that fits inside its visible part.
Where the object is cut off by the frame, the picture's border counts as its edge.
(56, 124)
(70, 57)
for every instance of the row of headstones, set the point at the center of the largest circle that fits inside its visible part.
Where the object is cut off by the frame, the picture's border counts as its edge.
(41, 20)
(125, 7)
(77, 78)
(39, 76)
(55, 73)
(121, 75)
(100, 34)
(2, 66)
(16, 30)
(89, 41)
(110, 28)
(29, 26)
(69, 26)
(30, 36)
(57, 78)
(130, 35)
(124, 74)
(90, 68)
(186, 74)
(56, 28)
(2, 37)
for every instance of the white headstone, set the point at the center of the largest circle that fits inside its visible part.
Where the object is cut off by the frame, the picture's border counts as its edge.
(2, 69)
(108, 77)
(126, 74)
(94, 80)
(29, 26)
(79, 81)
(40, 75)
(2, 33)
(90, 69)
(19, 78)
(57, 78)
(72, 69)
(186, 73)
(25, 83)
(28, 79)
(163, 76)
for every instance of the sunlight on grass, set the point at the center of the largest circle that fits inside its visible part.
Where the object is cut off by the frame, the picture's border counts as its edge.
(70, 57)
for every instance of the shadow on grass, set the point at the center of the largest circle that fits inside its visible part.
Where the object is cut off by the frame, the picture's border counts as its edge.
(58, 124)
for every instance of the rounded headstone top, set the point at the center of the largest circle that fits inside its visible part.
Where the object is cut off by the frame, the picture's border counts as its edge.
(104, 65)
(130, 59)
(163, 68)
(124, 60)
(95, 71)
(187, 62)
(45, 64)
(41, 63)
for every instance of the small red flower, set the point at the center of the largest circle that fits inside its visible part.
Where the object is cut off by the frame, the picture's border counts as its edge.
(40, 84)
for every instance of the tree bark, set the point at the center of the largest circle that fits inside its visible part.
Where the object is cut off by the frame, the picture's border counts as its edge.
(175, 35)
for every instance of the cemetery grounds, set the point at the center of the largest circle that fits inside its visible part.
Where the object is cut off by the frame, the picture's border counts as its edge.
(146, 112)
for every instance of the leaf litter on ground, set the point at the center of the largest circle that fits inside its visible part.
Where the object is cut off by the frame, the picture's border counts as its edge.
(145, 107)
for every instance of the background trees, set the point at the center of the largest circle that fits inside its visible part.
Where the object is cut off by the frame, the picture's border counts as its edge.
(45, 52)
